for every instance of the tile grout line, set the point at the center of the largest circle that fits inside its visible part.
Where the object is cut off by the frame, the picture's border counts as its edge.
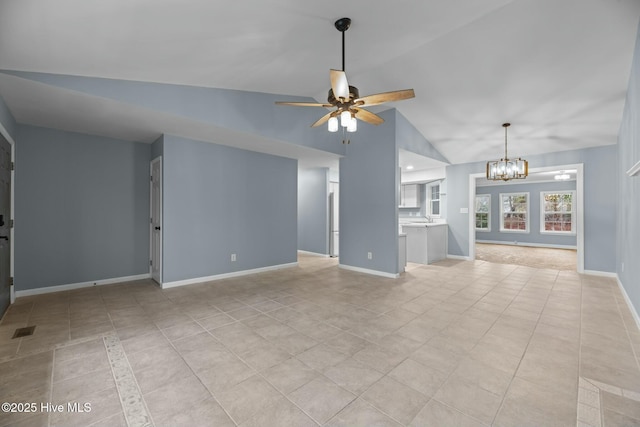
(432, 398)
(360, 397)
(357, 397)
(257, 372)
(524, 351)
(53, 369)
(195, 373)
(450, 374)
(584, 410)
(347, 331)
(134, 408)
(626, 328)
(528, 343)
(33, 304)
(580, 355)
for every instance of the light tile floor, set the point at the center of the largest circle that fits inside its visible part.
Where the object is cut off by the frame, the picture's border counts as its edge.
(455, 343)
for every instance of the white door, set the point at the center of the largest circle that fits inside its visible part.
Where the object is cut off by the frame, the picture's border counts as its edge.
(5, 224)
(156, 220)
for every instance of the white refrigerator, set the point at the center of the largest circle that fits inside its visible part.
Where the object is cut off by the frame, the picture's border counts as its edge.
(334, 223)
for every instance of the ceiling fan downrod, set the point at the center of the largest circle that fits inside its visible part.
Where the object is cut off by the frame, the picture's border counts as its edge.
(343, 25)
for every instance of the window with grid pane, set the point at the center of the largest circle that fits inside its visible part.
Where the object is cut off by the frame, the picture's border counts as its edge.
(483, 212)
(434, 199)
(558, 216)
(514, 212)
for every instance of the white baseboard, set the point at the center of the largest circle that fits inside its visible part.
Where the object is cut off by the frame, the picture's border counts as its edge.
(533, 245)
(167, 285)
(632, 309)
(58, 288)
(601, 273)
(460, 257)
(313, 253)
(368, 271)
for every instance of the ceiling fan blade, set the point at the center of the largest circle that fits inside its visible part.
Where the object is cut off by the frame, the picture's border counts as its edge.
(323, 119)
(303, 104)
(339, 84)
(367, 116)
(381, 98)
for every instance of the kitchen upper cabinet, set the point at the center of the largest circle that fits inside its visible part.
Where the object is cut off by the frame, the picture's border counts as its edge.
(409, 196)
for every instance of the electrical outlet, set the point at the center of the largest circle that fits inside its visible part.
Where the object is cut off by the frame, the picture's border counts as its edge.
(233, 257)
(369, 255)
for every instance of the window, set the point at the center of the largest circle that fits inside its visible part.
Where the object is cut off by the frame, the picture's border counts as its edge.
(435, 199)
(483, 212)
(514, 212)
(557, 212)
(433, 194)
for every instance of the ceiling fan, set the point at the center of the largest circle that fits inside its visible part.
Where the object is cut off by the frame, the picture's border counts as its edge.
(346, 100)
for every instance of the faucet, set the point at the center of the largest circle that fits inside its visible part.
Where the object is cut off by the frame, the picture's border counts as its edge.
(429, 219)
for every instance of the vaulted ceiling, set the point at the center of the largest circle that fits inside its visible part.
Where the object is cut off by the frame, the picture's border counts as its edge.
(556, 69)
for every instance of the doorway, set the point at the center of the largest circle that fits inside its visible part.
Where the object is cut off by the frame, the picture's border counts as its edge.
(579, 203)
(5, 224)
(155, 263)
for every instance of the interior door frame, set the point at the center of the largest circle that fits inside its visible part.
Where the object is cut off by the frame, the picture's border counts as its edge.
(579, 210)
(159, 160)
(8, 137)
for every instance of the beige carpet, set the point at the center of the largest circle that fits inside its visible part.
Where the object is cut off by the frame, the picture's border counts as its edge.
(557, 259)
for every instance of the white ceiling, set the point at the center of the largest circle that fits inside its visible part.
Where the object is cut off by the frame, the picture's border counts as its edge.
(556, 69)
(417, 161)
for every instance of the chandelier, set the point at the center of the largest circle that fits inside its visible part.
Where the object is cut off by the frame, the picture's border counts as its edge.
(506, 169)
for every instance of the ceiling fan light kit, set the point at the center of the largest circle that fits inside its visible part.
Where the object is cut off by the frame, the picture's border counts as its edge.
(345, 99)
(506, 169)
(333, 124)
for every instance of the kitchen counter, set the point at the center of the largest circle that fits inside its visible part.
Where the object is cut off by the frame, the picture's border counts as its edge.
(426, 241)
(424, 224)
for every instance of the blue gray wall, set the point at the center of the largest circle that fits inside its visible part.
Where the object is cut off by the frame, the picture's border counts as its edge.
(369, 191)
(220, 200)
(369, 184)
(313, 210)
(628, 197)
(534, 235)
(410, 139)
(81, 206)
(246, 112)
(157, 148)
(600, 202)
